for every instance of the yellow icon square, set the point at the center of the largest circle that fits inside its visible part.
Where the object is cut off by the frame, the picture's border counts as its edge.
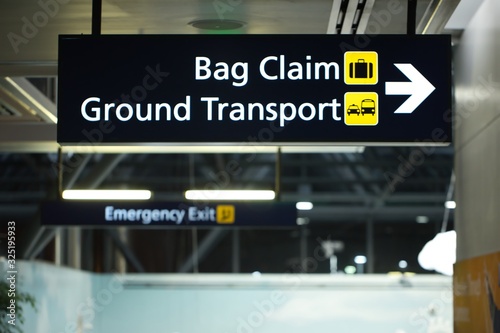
(225, 214)
(361, 109)
(361, 67)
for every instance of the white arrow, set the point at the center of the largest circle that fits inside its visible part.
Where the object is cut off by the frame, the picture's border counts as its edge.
(419, 88)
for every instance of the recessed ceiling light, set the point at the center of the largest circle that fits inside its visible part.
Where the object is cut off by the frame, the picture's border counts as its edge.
(450, 204)
(422, 219)
(350, 269)
(360, 260)
(218, 25)
(304, 205)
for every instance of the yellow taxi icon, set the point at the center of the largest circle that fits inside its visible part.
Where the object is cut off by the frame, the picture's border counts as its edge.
(361, 109)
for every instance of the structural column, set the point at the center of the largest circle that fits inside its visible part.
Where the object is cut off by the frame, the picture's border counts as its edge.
(477, 167)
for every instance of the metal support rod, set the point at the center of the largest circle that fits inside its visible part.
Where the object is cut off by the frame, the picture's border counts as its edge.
(102, 170)
(47, 237)
(303, 247)
(125, 250)
(75, 247)
(206, 245)
(70, 182)
(96, 16)
(107, 250)
(277, 181)
(412, 17)
(59, 173)
(58, 247)
(370, 251)
(87, 247)
(236, 251)
(449, 197)
(34, 241)
(194, 233)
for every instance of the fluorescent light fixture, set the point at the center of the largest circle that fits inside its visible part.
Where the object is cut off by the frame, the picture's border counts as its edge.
(304, 205)
(450, 204)
(360, 260)
(229, 195)
(188, 148)
(321, 149)
(106, 194)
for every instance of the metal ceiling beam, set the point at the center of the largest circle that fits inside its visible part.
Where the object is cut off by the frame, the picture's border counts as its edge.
(73, 177)
(101, 171)
(28, 68)
(126, 251)
(334, 17)
(436, 16)
(28, 137)
(365, 16)
(29, 96)
(381, 214)
(206, 245)
(349, 17)
(269, 180)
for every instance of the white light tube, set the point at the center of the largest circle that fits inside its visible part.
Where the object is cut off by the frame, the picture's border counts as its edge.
(106, 195)
(229, 195)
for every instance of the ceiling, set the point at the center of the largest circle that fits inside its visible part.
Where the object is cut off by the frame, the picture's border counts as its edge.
(346, 185)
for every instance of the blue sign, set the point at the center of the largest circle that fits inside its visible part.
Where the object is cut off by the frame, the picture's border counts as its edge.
(170, 214)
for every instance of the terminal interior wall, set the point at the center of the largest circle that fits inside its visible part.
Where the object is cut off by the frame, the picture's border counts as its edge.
(76, 301)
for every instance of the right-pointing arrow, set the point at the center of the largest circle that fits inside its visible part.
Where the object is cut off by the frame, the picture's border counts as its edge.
(419, 88)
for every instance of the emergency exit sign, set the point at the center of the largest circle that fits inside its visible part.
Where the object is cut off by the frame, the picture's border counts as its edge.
(227, 89)
(167, 214)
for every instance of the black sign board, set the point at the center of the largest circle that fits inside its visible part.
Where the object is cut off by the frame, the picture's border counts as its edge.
(271, 89)
(169, 214)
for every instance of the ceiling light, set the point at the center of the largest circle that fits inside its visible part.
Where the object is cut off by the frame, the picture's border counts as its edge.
(450, 204)
(422, 219)
(403, 264)
(106, 194)
(304, 205)
(350, 269)
(360, 260)
(302, 220)
(229, 195)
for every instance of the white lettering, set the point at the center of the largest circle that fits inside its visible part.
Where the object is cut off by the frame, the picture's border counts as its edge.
(238, 71)
(296, 70)
(205, 68)
(262, 68)
(125, 112)
(96, 110)
(144, 216)
(209, 105)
